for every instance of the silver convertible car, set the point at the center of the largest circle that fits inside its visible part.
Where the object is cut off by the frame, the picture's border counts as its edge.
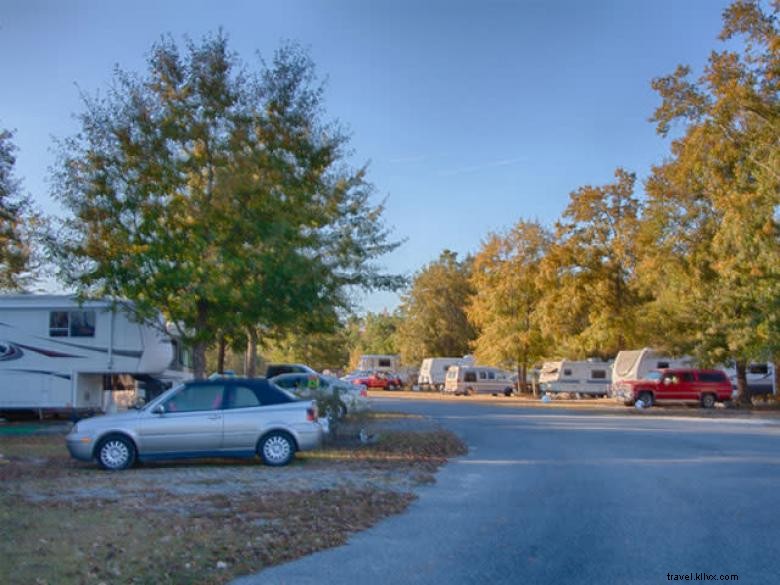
(223, 418)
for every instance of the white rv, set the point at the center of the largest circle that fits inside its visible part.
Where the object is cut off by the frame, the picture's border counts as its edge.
(590, 377)
(59, 356)
(433, 371)
(379, 363)
(635, 364)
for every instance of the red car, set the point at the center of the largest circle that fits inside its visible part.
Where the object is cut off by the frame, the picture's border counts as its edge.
(705, 387)
(383, 380)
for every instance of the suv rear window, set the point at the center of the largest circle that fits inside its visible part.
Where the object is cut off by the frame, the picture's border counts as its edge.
(712, 377)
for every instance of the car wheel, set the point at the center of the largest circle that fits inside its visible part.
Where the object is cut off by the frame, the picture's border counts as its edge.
(646, 398)
(116, 452)
(507, 392)
(276, 449)
(708, 400)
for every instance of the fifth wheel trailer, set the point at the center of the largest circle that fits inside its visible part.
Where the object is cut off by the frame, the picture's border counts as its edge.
(61, 356)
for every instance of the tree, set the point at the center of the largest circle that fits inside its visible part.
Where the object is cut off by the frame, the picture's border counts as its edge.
(507, 291)
(712, 208)
(590, 298)
(219, 196)
(433, 311)
(15, 238)
(373, 333)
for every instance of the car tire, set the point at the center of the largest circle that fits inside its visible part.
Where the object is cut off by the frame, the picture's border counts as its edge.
(708, 401)
(646, 398)
(276, 449)
(507, 392)
(115, 453)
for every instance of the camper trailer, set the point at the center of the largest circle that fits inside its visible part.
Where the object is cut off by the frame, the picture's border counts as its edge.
(61, 356)
(635, 364)
(433, 371)
(588, 377)
(379, 363)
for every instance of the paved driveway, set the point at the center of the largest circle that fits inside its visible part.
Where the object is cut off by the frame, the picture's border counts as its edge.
(572, 497)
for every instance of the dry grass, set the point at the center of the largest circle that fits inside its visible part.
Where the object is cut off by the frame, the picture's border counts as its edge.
(151, 535)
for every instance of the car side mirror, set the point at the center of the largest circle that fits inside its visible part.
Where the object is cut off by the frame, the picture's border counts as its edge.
(159, 409)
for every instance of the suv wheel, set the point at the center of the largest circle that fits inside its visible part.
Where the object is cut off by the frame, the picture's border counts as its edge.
(708, 400)
(646, 398)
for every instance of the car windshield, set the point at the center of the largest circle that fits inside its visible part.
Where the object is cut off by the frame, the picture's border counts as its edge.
(653, 375)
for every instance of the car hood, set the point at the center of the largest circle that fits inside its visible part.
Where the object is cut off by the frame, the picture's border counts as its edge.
(105, 420)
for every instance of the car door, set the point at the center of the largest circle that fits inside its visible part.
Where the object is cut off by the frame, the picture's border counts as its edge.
(189, 424)
(244, 418)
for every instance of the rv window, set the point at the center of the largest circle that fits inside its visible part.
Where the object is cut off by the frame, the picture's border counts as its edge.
(598, 374)
(662, 365)
(758, 369)
(384, 363)
(58, 324)
(491, 375)
(82, 323)
(567, 372)
(470, 377)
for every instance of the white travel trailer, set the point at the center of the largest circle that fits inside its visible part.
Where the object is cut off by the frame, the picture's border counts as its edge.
(590, 377)
(433, 371)
(635, 364)
(59, 356)
(379, 363)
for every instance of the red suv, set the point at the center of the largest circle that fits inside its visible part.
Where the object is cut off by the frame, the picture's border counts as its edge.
(705, 387)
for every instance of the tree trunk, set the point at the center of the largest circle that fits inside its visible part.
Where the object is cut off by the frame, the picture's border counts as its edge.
(250, 357)
(776, 377)
(200, 346)
(199, 359)
(743, 392)
(221, 355)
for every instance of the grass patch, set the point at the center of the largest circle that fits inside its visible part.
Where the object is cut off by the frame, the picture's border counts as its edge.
(124, 528)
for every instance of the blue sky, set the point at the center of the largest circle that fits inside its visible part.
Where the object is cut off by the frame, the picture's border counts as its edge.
(472, 114)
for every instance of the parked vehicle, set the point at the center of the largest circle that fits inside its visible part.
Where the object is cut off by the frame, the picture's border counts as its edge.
(433, 370)
(381, 380)
(705, 387)
(468, 380)
(351, 397)
(274, 370)
(590, 377)
(760, 378)
(61, 356)
(379, 363)
(228, 417)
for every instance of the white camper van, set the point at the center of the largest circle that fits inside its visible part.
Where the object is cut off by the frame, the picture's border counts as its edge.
(433, 371)
(469, 380)
(59, 356)
(590, 377)
(635, 364)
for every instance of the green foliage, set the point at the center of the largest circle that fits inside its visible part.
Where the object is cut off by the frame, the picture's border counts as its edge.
(15, 238)
(218, 195)
(507, 292)
(712, 233)
(374, 333)
(433, 311)
(590, 302)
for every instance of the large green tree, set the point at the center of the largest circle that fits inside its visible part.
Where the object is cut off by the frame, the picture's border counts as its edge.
(433, 311)
(712, 207)
(15, 240)
(590, 302)
(219, 195)
(504, 308)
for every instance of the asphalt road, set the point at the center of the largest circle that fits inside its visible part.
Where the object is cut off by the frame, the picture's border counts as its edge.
(552, 496)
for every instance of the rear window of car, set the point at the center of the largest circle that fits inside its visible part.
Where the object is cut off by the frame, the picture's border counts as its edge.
(712, 377)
